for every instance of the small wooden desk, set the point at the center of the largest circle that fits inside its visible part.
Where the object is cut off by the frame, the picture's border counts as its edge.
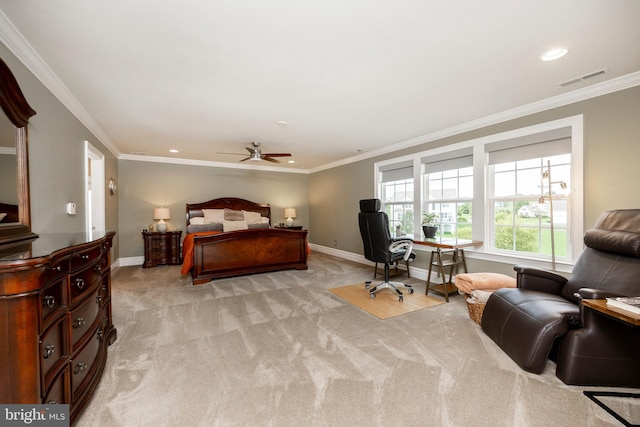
(452, 247)
(601, 306)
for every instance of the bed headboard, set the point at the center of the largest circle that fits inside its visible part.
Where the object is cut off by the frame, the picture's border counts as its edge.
(11, 211)
(195, 209)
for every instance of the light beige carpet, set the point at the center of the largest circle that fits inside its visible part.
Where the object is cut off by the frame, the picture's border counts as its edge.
(386, 303)
(280, 350)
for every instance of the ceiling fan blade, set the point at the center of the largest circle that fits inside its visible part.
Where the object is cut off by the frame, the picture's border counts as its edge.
(250, 150)
(269, 159)
(245, 159)
(277, 154)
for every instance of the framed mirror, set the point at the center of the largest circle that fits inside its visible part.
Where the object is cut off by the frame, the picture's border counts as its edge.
(15, 210)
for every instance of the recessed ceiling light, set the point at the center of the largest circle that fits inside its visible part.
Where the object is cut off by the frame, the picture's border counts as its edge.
(173, 150)
(291, 161)
(554, 54)
(281, 123)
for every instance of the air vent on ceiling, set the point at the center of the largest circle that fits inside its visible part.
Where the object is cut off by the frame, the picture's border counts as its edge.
(584, 77)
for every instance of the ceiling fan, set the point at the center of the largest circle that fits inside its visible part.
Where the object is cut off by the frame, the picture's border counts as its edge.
(256, 154)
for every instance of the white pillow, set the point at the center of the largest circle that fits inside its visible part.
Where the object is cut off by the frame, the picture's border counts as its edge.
(251, 217)
(197, 220)
(234, 225)
(264, 220)
(213, 215)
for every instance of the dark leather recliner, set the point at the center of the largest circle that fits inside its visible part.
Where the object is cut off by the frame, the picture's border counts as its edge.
(544, 317)
(379, 246)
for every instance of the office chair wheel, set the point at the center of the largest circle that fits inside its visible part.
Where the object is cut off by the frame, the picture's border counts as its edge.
(401, 298)
(411, 290)
(372, 295)
(367, 284)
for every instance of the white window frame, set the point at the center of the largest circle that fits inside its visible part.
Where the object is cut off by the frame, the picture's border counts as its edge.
(482, 221)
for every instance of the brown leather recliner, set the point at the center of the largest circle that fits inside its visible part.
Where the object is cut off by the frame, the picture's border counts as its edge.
(543, 317)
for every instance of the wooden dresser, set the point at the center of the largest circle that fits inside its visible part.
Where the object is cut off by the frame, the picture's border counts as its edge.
(55, 319)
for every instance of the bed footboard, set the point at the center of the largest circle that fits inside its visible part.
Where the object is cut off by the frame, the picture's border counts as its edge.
(246, 252)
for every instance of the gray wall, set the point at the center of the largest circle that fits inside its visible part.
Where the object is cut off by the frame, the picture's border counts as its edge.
(611, 172)
(146, 185)
(56, 158)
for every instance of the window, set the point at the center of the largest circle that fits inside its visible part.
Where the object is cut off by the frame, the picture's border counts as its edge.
(447, 184)
(521, 197)
(513, 191)
(397, 196)
(522, 205)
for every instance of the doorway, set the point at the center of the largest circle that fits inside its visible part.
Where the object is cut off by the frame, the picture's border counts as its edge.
(94, 189)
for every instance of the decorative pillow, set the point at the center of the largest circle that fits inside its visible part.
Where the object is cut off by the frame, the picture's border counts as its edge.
(231, 215)
(214, 226)
(196, 220)
(234, 225)
(251, 217)
(213, 215)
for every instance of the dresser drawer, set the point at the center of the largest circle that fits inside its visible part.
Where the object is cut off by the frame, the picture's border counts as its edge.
(52, 300)
(57, 268)
(57, 393)
(83, 281)
(81, 258)
(53, 351)
(84, 318)
(82, 363)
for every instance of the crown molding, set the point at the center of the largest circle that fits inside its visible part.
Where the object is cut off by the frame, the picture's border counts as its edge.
(21, 48)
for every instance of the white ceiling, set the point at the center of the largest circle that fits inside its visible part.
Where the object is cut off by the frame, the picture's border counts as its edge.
(350, 78)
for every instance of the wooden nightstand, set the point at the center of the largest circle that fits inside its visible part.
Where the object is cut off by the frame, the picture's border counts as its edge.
(161, 248)
(293, 227)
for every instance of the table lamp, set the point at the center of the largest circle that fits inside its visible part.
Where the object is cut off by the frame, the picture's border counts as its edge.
(289, 213)
(161, 214)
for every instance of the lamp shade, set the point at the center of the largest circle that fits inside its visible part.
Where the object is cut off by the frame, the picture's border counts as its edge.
(161, 213)
(290, 213)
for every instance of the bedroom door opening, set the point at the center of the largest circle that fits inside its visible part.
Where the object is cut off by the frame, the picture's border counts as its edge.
(94, 189)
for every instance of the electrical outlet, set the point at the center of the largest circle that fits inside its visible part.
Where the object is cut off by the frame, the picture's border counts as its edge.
(335, 243)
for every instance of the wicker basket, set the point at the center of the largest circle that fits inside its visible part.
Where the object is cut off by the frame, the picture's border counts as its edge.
(475, 309)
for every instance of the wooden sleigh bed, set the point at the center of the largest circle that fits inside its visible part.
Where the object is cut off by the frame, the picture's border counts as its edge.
(220, 244)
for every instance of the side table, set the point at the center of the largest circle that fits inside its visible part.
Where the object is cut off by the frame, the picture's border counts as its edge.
(454, 248)
(293, 227)
(161, 248)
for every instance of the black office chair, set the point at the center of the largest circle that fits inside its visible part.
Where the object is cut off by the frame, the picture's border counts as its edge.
(379, 247)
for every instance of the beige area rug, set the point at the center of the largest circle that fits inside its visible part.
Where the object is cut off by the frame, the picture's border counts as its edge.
(385, 304)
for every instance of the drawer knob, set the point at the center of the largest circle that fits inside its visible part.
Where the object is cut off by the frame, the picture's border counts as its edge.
(57, 268)
(79, 323)
(98, 268)
(80, 283)
(99, 299)
(80, 368)
(100, 334)
(52, 402)
(49, 301)
(85, 256)
(49, 349)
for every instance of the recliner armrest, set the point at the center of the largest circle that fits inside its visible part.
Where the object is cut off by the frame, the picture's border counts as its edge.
(591, 293)
(539, 280)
